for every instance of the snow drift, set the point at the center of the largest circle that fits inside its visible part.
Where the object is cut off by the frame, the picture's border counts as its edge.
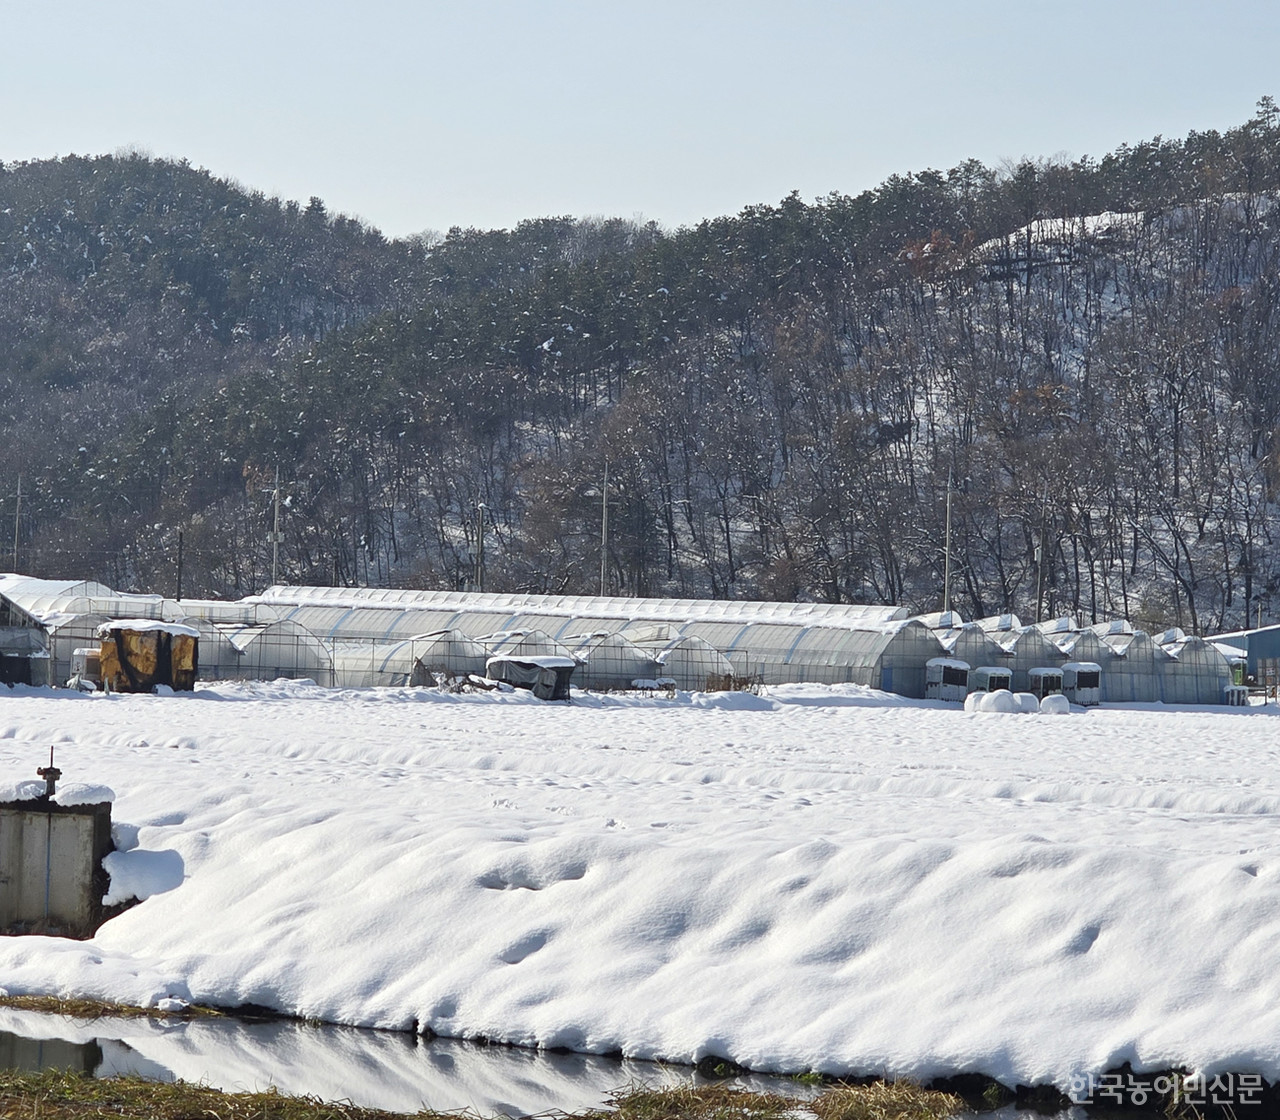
(811, 879)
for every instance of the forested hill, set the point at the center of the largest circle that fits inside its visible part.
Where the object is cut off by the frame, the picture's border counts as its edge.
(1089, 349)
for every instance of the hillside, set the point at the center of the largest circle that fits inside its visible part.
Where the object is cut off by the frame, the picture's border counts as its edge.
(1089, 349)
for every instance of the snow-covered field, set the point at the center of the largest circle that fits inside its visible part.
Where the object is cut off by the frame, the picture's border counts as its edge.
(819, 878)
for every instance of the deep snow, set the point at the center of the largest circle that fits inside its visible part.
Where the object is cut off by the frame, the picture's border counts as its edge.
(825, 878)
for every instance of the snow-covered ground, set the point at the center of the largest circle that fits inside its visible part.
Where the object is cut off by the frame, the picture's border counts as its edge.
(825, 878)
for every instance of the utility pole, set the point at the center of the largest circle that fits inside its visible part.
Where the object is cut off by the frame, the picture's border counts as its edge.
(1040, 556)
(604, 533)
(179, 565)
(946, 568)
(276, 535)
(479, 576)
(17, 513)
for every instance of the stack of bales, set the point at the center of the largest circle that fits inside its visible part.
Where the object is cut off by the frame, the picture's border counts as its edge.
(139, 654)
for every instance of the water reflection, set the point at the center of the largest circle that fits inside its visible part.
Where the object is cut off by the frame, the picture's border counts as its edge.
(374, 1069)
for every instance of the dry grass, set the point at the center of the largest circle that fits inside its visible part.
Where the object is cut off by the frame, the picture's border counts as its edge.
(57, 1095)
(90, 1009)
(886, 1100)
(688, 1102)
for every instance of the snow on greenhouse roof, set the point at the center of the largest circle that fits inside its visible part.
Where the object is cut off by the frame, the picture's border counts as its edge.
(1242, 634)
(143, 625)
(1000, 623)
(848, 616)
(43, 598)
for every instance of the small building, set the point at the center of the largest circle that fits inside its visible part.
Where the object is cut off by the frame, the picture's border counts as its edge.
(1261, 650)
(1044, 682)
(1082, 683)
(945, 678)
(140, 653)
(990, 678)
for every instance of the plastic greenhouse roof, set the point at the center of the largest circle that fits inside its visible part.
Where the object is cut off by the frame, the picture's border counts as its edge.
(44, 599)
(581, 606)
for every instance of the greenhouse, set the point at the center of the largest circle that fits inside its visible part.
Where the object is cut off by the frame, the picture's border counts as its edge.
(447, 652)
(1085, 645)
(689, 661)
(622, 610)
(972, 644)
(1001, 625)
(66, 634)
(219, 659)
(371, 664)
(367, 636)
(773, 642)
(43, 599)
(265, 651)
(523, 643)
(1195, 674)
(422, 660)
(609, 661)
(24, 657)
(1136, 669)
(1025, 650)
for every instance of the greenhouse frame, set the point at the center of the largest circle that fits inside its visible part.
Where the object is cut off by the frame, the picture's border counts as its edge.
(360, 637)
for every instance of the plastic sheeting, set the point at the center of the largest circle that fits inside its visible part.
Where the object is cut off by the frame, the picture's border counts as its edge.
(609, 661)
(583, 606)
(971, 643)
(689, 661)
(1134, 674)
(1196, 674)
(241, 651)
(1028, 649)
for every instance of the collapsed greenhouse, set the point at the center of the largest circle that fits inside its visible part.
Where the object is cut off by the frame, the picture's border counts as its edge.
(362, 637)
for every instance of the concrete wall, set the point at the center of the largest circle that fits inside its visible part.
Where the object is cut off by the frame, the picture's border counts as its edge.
(51, 876)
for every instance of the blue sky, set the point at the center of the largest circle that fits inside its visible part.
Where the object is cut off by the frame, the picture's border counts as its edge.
(426, 115)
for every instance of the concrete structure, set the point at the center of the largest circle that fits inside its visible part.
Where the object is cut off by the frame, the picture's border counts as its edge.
(51, 874)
